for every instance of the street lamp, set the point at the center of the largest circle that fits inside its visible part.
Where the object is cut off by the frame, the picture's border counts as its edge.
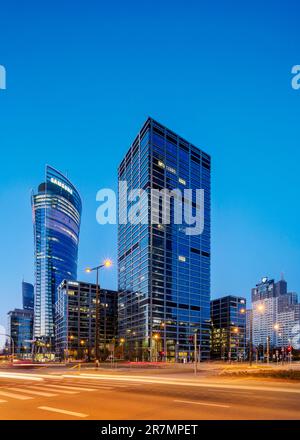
(260, 308)
(277, 327)
(164, 326)
(107, 263)
(156, 339)
(122, 342)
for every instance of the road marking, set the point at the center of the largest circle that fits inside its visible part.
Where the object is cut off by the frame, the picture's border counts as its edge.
(50, 388)
(14, 396)
(62, 411)
(190, 383)
(3, 401)
(202, 403)
(67, 387)
(21, 376)
(38, 393)
(108, 386)
(99, 387)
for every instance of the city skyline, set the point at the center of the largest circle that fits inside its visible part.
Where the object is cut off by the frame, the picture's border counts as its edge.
(223, 96)
(111, 280)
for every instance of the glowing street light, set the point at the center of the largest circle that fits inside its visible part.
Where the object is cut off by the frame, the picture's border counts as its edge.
(107, 263)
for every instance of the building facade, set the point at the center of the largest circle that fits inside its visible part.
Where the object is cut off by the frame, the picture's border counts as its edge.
(287, 327)
(228, 335)
(20, 328)
(56, 218)
(27, 296)
(76, 320)
(275, 315)
(164, 273)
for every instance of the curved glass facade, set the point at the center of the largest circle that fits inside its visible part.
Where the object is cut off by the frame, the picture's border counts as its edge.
(56, 218)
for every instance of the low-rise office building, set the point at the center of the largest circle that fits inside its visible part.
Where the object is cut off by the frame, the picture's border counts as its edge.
(75, 320)
(228, 334)
(20, 329)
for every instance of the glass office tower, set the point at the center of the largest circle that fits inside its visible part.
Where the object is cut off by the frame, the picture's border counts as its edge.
(56, 217)
(27, 296)
(20, 329)
(164, 274)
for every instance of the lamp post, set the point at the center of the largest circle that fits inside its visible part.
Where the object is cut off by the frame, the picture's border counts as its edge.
(122, 342)
(268, 349)
(236, 331)
(164, 326)
(156, 339)
(277, 328)
(260, 308)
(107, 263)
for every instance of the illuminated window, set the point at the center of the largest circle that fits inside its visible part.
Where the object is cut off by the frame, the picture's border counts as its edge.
(182, 258)
(171, 170)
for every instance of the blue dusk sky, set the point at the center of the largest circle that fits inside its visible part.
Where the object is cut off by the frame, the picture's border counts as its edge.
(83, 76)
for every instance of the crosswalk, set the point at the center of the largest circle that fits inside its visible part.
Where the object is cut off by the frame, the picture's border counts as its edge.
(48, 389)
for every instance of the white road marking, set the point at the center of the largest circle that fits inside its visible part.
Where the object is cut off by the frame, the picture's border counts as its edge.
(14, 396)
(21, 376)
(190, 383)
(103, 386)
(67, 387)
(202, 403)
(50, 388)
(37, 393)
(62, 411)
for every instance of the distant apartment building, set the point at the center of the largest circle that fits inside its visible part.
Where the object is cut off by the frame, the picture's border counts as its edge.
(228, 335)
(275, 314)
(75, 320)
(20, 329)
(287, 327)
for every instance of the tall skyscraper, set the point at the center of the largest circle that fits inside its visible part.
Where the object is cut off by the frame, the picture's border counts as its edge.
(56, 218)
(164, 273)
(27, 296)
(228, 336)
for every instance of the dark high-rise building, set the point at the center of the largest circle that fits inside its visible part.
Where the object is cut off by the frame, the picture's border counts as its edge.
(20, 328)
(164, 272)
(27, 296)
(268, 288)
(76, 320)
(228, 336)
(56, 217)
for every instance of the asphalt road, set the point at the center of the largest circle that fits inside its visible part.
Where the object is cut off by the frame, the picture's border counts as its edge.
(64, 396)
